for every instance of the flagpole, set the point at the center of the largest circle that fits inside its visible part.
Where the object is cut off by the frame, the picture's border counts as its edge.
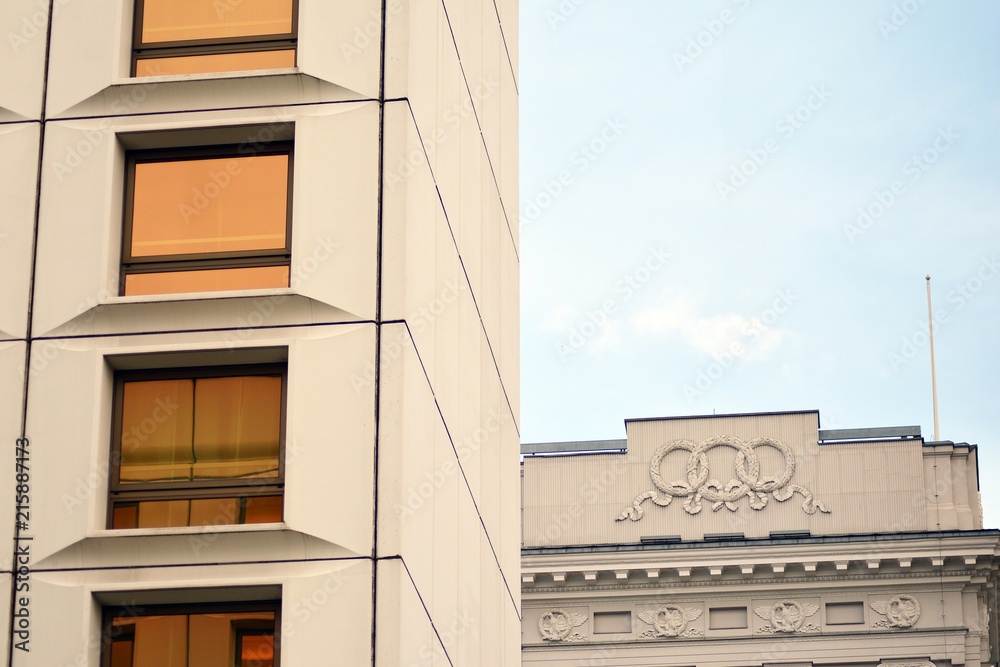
(930, 326)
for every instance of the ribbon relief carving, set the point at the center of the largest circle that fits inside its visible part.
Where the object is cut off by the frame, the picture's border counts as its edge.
(747, 484)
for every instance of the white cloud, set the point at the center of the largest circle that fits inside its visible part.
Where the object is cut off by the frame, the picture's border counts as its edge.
(713, 335)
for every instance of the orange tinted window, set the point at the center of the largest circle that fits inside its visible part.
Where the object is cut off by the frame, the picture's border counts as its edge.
(190, 638)
(165, 514)
(160, 640)
(257, 651)
(214, 512)
(209, 280)
(209, 205)
(126, 516)
(199, 437)
(197, 512)
(121, 653)
(157, 425)
(263, 509)
(219, 62)
(204, 428)
(237, 427)
(183, 20)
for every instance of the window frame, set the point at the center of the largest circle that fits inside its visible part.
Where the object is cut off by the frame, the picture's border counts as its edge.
(110, 612)
(119, 493)
(212, 46)
(235, 259)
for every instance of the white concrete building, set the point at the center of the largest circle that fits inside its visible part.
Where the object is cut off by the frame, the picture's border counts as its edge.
(752, 540)
(259, 328)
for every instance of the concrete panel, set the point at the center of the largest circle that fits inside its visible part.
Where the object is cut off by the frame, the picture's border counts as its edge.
(328, 50)
(102, 30)
(404, 634)
(23, 24)
(340, 42)
(11, 402)
(18, 171)
(426, 512)
(322, 603)
(336, 195)
(71, 453)
(330, 451)
(332, 261)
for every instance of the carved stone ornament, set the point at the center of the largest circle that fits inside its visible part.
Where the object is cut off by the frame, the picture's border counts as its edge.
(902, 611)
(557, 626)
(787, 616)
(747, 484)
(671, 621)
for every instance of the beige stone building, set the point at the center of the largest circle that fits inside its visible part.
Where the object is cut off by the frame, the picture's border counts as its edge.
(259, 332)
(752, 540)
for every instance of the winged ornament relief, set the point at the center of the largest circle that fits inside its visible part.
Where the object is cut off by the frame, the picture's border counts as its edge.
(902, 611)
(671, 621)
(787, 616)
(556, 625)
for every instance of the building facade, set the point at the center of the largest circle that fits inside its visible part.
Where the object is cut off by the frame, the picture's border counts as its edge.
(752, 540)
(259, 332)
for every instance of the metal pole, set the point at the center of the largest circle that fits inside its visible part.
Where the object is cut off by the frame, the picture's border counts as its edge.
(930, 326)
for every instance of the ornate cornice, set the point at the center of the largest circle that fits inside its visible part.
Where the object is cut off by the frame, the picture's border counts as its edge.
(769, 581)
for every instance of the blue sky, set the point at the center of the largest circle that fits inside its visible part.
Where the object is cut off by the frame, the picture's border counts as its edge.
(731, 205)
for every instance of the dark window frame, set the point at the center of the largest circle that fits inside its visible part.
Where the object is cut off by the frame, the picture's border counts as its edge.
(124, 494)
(207, 47)
(202, 261)
(110, 612)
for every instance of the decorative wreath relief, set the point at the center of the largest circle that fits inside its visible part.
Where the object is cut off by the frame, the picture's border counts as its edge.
(556, 626)
(670, 621)
(902, 611)
(787, 616)
(748, 482)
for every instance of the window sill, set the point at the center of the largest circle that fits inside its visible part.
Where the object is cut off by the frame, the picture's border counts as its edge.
(191, 530)
(199, 296)
(205, 76)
